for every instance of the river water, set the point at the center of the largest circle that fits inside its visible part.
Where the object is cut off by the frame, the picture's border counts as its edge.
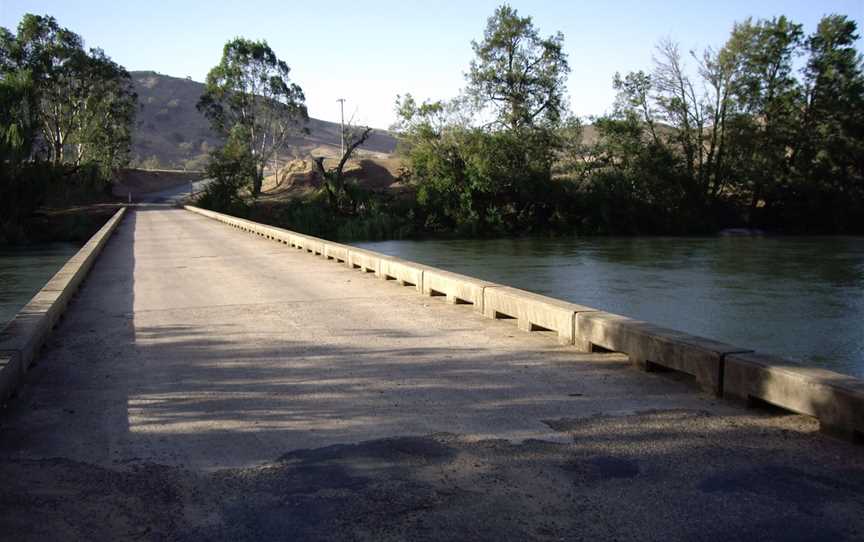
(25, 270)
(802, 298)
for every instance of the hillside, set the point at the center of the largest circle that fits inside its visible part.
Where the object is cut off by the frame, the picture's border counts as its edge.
(171, 133)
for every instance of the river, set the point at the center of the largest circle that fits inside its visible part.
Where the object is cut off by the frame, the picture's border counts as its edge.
(25, 270)
(802, 298)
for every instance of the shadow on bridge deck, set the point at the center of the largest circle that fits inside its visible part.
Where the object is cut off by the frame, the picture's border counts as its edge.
(206, 385)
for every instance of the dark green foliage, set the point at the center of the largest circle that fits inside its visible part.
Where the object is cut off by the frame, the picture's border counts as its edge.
(233, 171)
(758, 147)
(381, 219)
(81, 101)
(744, 140)
(65, 121)
(41, 184)
(516, 73)
(250, 89)
(494, 178)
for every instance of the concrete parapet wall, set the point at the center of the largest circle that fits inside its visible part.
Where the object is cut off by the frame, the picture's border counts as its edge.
(23, 337)
(404, 272)
(311, 245)
(653, 347)
(297, 241)
(836, 400)
(458, 289)
(335, 251)
(365, 260)
(720, 369)
(533, 312)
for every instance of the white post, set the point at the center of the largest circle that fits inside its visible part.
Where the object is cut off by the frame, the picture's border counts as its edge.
(341, 127)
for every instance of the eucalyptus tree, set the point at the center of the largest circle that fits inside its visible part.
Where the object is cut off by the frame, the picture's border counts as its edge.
(17, 116)
(249, 96)
(517, 73)
(82, 101)
(833, 128)
(768, 103)
(107, 112)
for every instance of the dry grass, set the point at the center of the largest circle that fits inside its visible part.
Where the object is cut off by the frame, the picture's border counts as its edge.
(373, 171)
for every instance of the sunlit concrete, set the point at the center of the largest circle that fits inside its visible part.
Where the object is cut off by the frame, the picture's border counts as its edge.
(22, 339)
(203, 367)
(189, 331)
(533, 311)
(836, 400)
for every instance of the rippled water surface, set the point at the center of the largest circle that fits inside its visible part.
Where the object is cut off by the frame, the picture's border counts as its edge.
(23, 272)
(798, 297)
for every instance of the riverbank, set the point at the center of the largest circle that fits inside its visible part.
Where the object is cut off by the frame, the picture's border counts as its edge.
(395, 213)
(40, 203)
(49, 238)
(68, 225)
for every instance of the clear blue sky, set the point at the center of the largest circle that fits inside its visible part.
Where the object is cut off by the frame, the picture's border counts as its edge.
(370, 52)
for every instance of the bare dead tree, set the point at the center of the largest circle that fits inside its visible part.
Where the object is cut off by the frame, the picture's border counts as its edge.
(334, 178)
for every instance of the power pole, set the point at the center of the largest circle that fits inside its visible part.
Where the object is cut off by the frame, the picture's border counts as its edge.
(342, 127)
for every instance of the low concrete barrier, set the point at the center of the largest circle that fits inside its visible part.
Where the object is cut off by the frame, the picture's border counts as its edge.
(836, 400)
(458, 289)
(23, 337)
(297, 241)
(651, 347)
(720, 369)
(533, 312)
(404, 272)
(311, 245)
(315, 246)
(335, 251)
(365, 260)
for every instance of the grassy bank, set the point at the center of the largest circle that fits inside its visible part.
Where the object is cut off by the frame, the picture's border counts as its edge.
(44, 203)
(74, 224)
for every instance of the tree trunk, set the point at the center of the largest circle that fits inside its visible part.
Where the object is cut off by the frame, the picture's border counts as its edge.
(258, 181)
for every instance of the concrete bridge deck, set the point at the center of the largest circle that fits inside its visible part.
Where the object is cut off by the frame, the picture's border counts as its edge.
(208, 384)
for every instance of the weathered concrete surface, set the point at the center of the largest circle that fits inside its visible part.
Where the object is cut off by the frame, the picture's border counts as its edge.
(836, 400)
(404, 272)
(533, 311)
(365, 260)
(652, 347)
(455, 288)
(337, 252)
(209, 384)
(23, 337)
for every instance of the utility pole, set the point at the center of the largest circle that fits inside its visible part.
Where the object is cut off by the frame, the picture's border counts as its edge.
(342, 127)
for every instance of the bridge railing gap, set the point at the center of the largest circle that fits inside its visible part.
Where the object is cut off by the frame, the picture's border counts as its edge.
(721, 370)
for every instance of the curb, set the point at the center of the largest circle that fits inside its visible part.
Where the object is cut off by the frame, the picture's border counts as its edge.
(23, 337)
(722, 370)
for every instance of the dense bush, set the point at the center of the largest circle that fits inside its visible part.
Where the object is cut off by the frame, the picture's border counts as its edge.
(744, 140)
(32, 185)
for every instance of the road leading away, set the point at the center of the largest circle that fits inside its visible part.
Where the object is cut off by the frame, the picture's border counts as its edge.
(210, 385)
(175, 194)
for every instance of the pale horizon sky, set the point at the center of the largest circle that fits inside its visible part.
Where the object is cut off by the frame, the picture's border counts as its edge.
(370, 53)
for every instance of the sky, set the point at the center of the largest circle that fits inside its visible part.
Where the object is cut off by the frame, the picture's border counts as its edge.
(370, 52)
